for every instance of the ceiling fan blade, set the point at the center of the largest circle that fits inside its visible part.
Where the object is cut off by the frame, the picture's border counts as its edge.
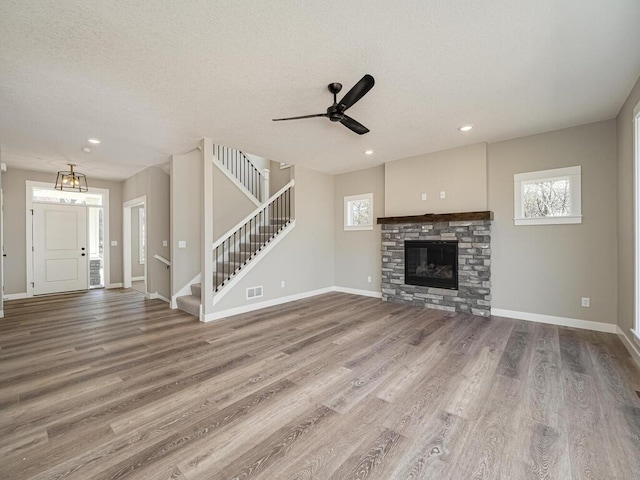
(303, 116)
(353, 125)
(358, 91)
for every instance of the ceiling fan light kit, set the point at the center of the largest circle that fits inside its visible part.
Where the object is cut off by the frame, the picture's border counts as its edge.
(335, 112)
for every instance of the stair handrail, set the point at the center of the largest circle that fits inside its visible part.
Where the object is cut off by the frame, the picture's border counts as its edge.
(264, 206)
(163, 260)
(250, 183)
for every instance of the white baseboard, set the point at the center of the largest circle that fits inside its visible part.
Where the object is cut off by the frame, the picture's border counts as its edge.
(290, 298)
(553, 320)
(14, 296)
(1, 313)
(157, 296)
(137, 279)
(357, 291)
(631, 345)
(114, 285)
(268, 303)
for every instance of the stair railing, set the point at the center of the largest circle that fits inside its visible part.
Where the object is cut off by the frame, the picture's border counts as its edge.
(242, 169)
(233, 250)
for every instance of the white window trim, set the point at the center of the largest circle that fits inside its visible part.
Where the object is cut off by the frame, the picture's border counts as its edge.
(574, 174)
(351, 198)
(636, 212)
(141, 236)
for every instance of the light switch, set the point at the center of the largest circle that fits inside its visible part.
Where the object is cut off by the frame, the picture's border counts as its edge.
(424, 196)
(443, 194)
(165, 243)
(182, 244)
(114, 243)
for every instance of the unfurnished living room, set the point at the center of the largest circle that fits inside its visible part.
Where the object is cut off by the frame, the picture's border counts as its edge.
(320, 240)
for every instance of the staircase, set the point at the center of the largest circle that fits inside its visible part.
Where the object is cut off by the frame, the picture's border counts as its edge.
(246, 242)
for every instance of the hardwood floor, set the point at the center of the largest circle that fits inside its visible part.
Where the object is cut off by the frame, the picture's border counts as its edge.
(106, 384)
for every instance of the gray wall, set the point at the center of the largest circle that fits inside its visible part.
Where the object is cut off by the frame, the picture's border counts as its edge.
(626, 253)
(15, 225)
(278, 177)
(186, 214)
(154, 183)
(357, 253)
(232, 204)
(304, 258)
(137, 268)
(546, 269)
(459, 172)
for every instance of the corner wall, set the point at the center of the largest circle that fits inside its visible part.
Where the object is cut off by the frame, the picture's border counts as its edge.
(357, 253)
(154, 183)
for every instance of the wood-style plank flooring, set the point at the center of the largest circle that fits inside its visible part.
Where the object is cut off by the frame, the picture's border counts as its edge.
(107, 384)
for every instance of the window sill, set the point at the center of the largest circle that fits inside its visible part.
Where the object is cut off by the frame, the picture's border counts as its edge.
(549, 220)
(349, 228)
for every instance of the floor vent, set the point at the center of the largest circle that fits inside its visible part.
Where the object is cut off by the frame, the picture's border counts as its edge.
(254, 292)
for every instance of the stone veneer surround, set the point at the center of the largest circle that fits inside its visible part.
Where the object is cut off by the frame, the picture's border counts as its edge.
(474, 266)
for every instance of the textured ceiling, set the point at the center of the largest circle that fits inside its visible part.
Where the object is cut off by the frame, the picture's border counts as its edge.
(151, 78)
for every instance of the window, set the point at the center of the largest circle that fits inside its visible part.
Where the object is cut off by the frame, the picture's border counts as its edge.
(548, 197)
(141, 236)
(358, 212)
(636, 216)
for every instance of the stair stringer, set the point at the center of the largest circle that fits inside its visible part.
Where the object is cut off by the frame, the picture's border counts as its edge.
(236, 182)
(243, 271)
(186, 290)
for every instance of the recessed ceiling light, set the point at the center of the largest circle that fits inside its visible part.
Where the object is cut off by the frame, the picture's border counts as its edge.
(86, 149)
(465, 128)
(95, 141)
(368, 152)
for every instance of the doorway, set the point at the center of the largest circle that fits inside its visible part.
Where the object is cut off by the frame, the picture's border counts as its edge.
(67, 233)
(134, 216)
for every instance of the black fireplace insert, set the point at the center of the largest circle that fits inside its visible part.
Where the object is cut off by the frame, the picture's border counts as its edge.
(431, 263)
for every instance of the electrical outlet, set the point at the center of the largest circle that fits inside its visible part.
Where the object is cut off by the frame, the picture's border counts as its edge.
(443, 194)
(369, 279)
(424, 196)
(586, 301)
(282, 284)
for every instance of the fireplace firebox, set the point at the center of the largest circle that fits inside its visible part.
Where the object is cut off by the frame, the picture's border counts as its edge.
(431, 263)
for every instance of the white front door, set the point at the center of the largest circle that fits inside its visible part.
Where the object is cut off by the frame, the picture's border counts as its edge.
(60, 252)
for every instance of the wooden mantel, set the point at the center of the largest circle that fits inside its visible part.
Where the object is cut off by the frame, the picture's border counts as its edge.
(439, 217)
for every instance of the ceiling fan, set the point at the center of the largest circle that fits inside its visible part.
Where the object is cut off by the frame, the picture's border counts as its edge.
(335, 112)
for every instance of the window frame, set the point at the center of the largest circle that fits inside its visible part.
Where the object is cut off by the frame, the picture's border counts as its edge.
(636, 211)
(352, 198)
(573, 174)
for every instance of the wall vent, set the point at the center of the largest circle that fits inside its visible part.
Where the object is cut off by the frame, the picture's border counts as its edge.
(254, 292)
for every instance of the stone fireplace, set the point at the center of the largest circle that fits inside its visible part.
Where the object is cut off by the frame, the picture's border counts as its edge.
(440, 261)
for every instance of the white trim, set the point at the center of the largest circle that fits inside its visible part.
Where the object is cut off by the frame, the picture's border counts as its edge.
(137, 279)
(185, 290)
(237, 182)
(14, 296)
(357, 291)
(634, 350)
(289, 298)
(113, 285)
(636, 212)
(636, 336)
(572, 174)
(352, 198)
(254, 261)
(554, 320)
(267, 303)
(156, 296)
(126, 236)
(1, 313)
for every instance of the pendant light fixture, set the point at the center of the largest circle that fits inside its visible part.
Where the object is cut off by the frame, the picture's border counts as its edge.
(71, 181)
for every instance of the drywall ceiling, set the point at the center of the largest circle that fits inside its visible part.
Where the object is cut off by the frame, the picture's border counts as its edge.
(151, 78)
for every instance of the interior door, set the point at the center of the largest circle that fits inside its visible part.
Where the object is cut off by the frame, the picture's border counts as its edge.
(60, 255)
